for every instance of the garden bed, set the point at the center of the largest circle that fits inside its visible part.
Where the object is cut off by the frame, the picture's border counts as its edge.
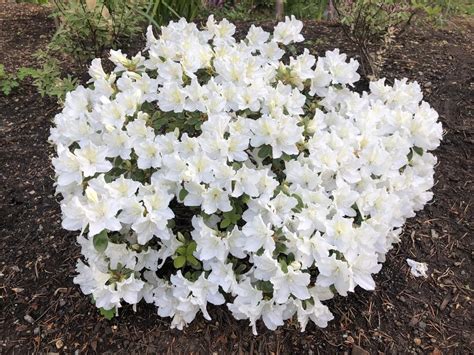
(42, 310)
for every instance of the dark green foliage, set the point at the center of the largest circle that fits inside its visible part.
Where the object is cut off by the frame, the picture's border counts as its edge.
(160, 12)
(264, 9)
(107, 313)
(8, 82)
(184, 254)
(47, 79)
(101, 241)
(85, 29)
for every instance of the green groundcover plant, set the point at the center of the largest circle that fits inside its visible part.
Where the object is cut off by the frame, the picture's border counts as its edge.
(209, 170)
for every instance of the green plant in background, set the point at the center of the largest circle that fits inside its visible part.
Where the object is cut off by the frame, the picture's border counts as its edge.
(265, 9)
(8, 82)
(47, 79)
(447, 9)
(160, 12)
(87, 28)
(374, 22)
(374, 25)
(315, 9)
(39, 2)
(238, 11)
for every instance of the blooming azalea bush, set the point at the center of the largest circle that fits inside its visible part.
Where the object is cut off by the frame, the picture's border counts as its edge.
(212, 171)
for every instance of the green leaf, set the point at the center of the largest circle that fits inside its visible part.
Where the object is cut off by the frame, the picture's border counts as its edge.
(8, 85)
(286, 157)
(290, 258)
(101, 241)
(181, 250)
(193, 261)
(138, 175)
(182, 194)
(171, 223)
(24, 72)
(300, 204)
(279, 248)
(418, 150)
(225, 223)
(265, 286)
(107, 313)
(265, 151)
(179, 261)
(284, 265)
(181, 237)
(240, 269)
(191, 248)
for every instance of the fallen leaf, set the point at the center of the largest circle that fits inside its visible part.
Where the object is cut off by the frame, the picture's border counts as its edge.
(59, 344)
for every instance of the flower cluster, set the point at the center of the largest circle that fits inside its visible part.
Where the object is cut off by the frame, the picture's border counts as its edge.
(212, 170)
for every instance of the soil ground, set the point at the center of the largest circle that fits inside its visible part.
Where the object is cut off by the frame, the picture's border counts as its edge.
(42, 311)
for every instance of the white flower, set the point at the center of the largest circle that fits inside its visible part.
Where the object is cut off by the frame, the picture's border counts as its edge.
(257, 36)
(67, 167)
(148, 226)
(129, 289)
(123, 188)
(119, 144)
(258, 234)
(157, 205)
(96, 71)
(209, 245)
(119, 253)
(342, 72)
(418, 269)
(92, 159)
(90, 278)
(132, 210)
(172, 97)
(263, 130)
(292, 282)
(315, 311)
(215, 199)
(101, 213)
(170, 71)
(245, 182)
(236, 242)
(139, 131)
(288, 31)
(148, 154)
(362, 267)
(223, 275)
(272, 314)
(265, 266)
(148, 259)
(74, 215)
(194, 196)
(223, 30)
(335, 272)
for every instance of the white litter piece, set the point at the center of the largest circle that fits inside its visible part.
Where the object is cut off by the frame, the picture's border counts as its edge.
(418, 269)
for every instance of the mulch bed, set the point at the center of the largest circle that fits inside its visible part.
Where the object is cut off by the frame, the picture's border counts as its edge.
(41, 310)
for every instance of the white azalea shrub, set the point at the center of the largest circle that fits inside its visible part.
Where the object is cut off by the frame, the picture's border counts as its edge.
(210, 170)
